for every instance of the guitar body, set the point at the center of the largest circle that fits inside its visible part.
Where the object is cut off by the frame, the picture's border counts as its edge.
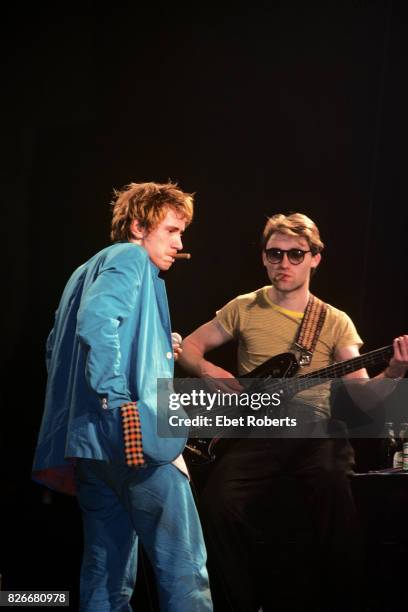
(284, 365)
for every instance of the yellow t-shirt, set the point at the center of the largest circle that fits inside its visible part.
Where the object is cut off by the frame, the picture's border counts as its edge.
(264, 329)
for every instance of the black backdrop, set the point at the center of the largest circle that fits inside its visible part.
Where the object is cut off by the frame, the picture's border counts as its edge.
(278, 107)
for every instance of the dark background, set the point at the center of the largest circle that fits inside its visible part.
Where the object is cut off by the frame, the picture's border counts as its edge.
(277, 107)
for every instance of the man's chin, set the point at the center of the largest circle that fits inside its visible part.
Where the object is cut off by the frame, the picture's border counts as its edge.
(285, 287)
(165, 265)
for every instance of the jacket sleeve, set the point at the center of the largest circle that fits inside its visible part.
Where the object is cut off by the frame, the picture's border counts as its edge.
(48, 349)
(106, 303)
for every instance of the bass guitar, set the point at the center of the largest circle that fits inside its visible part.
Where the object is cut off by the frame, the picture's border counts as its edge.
(283, 368)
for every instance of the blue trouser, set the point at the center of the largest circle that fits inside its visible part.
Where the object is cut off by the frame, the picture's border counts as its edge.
(120, 504)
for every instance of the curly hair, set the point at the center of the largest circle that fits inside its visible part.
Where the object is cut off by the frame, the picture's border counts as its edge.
(148, 203)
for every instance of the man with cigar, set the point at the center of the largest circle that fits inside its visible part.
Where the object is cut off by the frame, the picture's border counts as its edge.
(243, 501)
(110, 343)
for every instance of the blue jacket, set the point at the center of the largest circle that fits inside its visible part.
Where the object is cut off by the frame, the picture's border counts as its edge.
(110, 343)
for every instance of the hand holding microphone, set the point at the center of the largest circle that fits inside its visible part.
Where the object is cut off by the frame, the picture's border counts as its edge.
(176, 341)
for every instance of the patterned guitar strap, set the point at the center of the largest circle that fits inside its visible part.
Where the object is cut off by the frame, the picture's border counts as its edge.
(310, 329)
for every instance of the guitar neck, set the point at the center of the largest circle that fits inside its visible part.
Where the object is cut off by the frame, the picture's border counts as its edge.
(339, 369)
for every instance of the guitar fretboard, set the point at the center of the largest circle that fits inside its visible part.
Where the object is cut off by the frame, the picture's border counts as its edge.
(339, 369)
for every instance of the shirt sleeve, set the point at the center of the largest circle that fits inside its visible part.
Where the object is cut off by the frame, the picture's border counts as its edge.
(106, 304)
(346, 332)
(228, 317)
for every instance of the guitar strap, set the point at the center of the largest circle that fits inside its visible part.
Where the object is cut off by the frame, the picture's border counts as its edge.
(310, 329)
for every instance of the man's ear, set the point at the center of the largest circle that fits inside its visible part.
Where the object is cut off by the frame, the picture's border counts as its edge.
(138, 233)
(316, 260)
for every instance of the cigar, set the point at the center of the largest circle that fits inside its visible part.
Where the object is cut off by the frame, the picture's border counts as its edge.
(182, 256)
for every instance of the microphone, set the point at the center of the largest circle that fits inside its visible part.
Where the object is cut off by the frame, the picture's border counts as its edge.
(176, 338)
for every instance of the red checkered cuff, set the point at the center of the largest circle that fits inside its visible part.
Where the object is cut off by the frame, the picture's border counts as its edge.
(132, 434)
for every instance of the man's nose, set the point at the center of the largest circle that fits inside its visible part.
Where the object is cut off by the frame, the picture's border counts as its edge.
(285, 260)
(177, 243)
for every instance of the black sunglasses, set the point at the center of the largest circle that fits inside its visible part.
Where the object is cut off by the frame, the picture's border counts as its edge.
(295, 256)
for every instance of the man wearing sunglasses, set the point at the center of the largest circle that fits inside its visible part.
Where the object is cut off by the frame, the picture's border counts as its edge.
(241, 503)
